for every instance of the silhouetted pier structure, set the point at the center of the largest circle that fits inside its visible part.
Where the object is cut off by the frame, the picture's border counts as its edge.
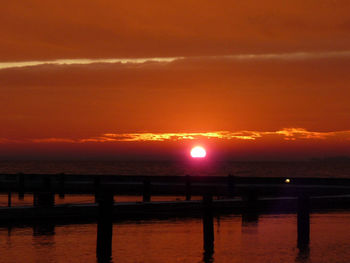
(248, 196)
(303, 222)
(104, 227)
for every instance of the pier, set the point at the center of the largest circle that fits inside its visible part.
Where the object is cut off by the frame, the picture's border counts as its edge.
(248, 196)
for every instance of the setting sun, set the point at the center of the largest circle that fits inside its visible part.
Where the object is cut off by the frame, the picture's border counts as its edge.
(198, 152)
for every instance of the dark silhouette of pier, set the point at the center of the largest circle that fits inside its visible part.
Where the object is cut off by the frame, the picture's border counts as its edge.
(245, 196)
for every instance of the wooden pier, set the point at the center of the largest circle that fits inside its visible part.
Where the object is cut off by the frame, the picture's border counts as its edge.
(248, 196)
(148, 186)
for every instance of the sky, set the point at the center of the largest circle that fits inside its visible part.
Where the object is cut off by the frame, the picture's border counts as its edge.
(138, 79)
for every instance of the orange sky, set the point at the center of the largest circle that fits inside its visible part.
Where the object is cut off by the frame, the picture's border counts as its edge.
(234, 68)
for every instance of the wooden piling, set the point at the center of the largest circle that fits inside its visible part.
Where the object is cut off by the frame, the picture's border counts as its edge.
(47, 183)
(104, 227)
(250, 211)
(231, 185)
(208, 224)
(251, 200)
(9, 230)
(45, 197)
(188, 188)
(303, 220)
(61, 185)
(97, 183)
(146, 190)
(9, 199)
(20, 186)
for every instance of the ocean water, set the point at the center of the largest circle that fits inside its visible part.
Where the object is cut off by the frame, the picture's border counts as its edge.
(272, 238)
(191, 167)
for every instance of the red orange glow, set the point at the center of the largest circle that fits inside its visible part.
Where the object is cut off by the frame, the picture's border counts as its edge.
(273, 81)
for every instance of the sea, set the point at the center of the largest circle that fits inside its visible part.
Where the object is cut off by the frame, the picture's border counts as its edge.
(269, 238)
(336, 169)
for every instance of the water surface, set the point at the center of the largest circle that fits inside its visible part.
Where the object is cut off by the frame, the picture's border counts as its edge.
(192, 167)
(270, 239)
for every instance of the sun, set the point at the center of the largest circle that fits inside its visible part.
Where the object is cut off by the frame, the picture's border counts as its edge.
(198, 152)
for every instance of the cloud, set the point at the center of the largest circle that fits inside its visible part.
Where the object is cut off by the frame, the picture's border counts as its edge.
(86, 61)
(53, 140)
(288, 134)
(299, 133)
(8, 141)
(290, 56)
(226, 135)
(136, 61)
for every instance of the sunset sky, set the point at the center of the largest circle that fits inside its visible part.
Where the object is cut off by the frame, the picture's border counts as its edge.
(150, 79)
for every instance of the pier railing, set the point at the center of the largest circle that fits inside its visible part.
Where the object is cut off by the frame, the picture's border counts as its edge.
(170, 185)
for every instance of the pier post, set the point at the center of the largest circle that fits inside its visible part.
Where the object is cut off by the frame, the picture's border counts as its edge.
(61, 185)
(20, 186)
(9, 229)
(146, 190)
(231, 185)
(250, 199)
(188, 188)
(44, 198)
(104, 227)
(208, 224)
(250, 210)
(97, 183)
(9, 199)
(303, 220)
